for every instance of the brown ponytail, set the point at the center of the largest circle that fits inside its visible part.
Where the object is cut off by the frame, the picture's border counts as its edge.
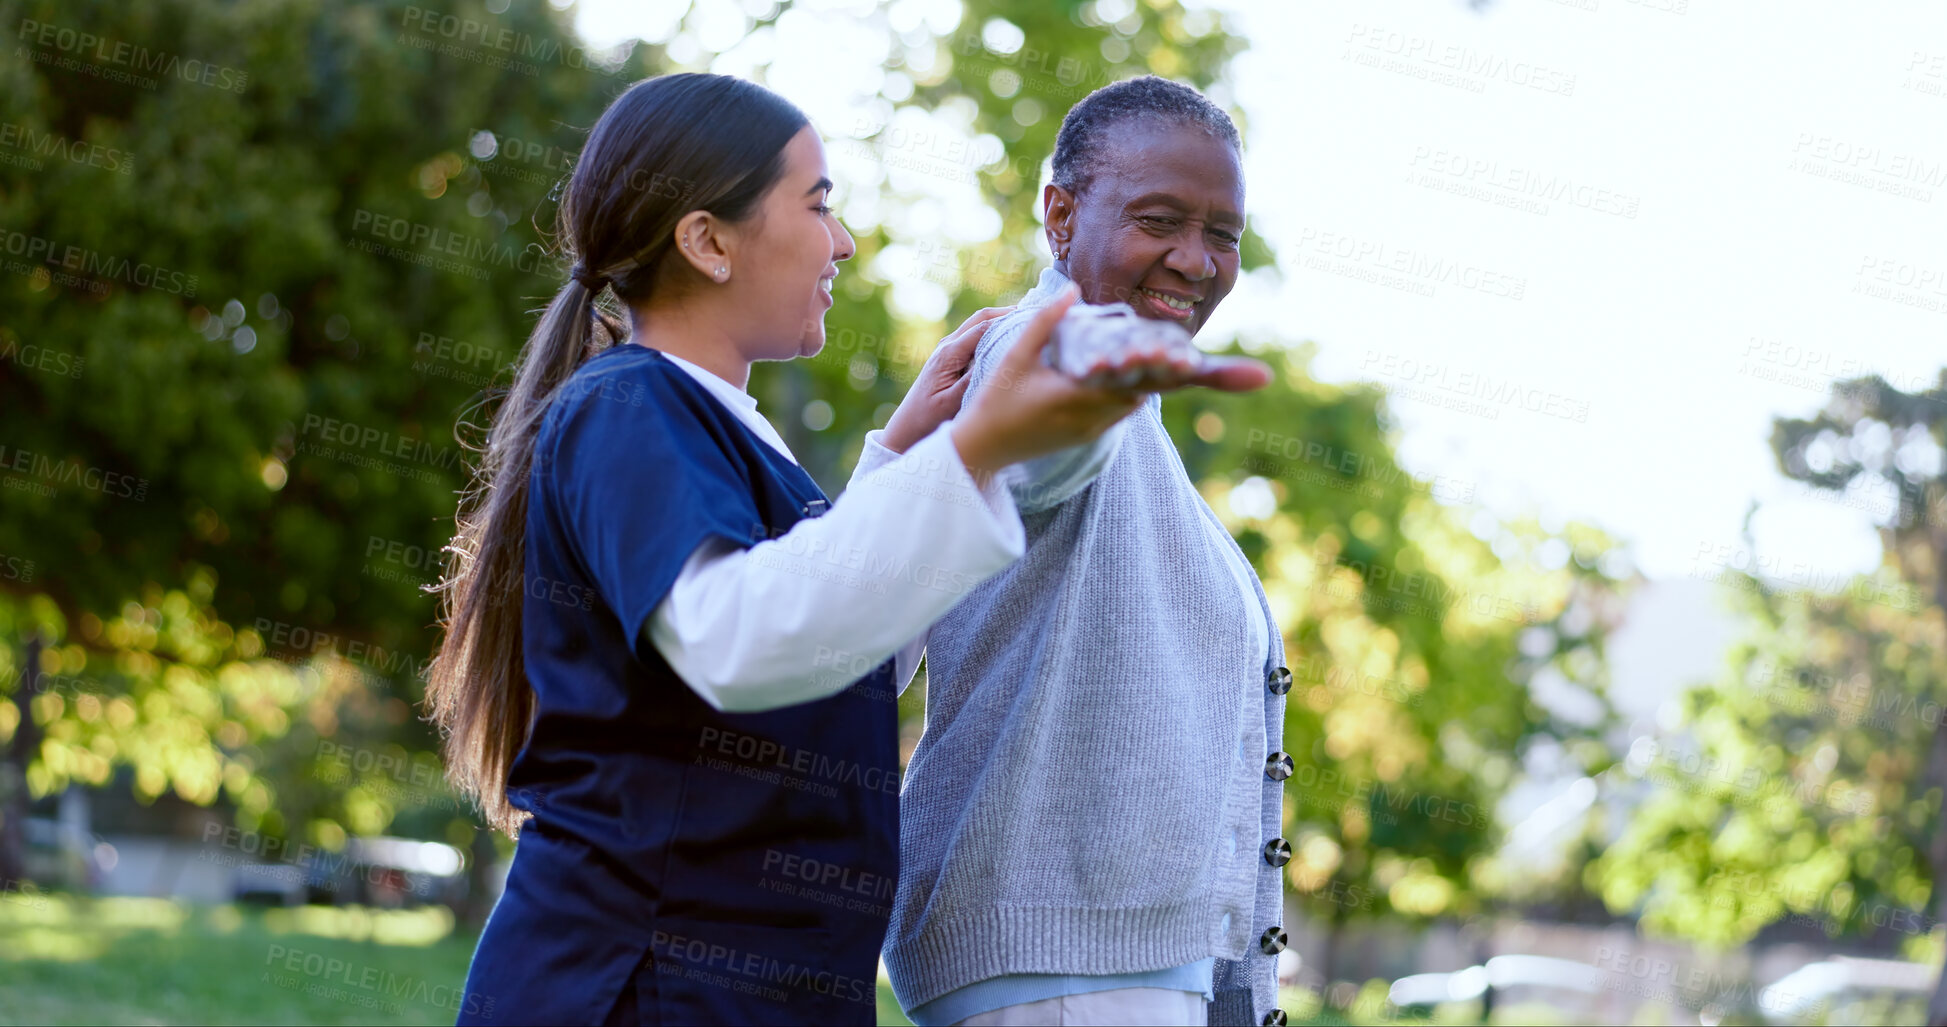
(665, 147)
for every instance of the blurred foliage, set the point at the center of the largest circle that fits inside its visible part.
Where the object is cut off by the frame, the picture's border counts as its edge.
(1793, 787)
(295, 417)
(1874, 438)
(1805, 785)
(285, 397)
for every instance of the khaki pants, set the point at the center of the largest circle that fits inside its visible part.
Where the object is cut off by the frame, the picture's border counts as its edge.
(1137, 1007)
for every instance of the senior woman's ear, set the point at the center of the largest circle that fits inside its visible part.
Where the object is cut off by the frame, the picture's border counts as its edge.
(1059, 205)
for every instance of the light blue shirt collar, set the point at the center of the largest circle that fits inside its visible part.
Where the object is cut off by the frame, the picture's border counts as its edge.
(1050, 283)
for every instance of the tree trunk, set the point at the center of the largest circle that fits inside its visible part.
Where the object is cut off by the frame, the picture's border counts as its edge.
(1936, 776)
(13, 773)
(481, 856)
(1937, 857)
(77, 840)
(1334, 937)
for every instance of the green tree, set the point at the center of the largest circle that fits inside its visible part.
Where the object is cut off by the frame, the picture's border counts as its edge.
(1875, 434)
(234, 368)
(1795, 785)
(1797, 788)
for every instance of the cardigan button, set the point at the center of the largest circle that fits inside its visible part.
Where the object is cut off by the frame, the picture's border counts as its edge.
(1274, 940)
(1277, 852)
(1278, 681)
(1277, 766)
(1274, 1018)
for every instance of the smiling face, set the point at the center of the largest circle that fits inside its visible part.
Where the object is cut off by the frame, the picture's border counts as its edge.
(786, 255)
(1157, 226)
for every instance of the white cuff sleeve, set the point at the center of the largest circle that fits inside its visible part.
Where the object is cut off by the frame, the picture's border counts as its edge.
(874, 456)
(804, 615)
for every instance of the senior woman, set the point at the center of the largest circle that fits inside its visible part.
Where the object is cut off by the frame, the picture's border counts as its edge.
(1090, 822)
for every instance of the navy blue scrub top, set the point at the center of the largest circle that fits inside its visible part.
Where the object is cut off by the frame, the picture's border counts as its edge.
(726, 867)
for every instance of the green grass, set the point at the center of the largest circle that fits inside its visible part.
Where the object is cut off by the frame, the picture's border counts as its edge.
(76, 960)
(67, 959)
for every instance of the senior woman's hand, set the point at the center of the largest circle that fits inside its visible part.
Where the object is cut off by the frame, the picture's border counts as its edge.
(942, 382)
(1155, 371)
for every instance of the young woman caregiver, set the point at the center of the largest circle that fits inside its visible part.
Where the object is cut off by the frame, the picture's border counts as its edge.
(666, 665)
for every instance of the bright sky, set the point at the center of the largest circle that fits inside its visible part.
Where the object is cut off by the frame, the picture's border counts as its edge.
(1451, 196)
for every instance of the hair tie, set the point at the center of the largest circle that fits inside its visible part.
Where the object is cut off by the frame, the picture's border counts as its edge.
(589, 280)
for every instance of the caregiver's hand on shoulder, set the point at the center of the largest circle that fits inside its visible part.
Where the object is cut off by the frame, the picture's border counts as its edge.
(1029, 409)
(942, 382)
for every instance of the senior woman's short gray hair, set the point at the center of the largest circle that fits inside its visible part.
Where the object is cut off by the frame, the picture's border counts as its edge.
(1085, 132)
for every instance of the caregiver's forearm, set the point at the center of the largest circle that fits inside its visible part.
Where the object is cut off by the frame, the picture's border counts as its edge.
(789, 620)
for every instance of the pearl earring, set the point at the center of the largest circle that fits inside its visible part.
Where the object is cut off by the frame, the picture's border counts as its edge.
(721, 271)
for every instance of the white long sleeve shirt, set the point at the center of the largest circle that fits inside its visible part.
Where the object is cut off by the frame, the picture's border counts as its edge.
(789, 619)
